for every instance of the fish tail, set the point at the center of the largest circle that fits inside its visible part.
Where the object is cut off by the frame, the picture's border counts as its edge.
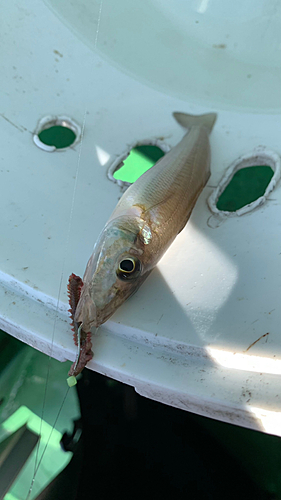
(187, 121)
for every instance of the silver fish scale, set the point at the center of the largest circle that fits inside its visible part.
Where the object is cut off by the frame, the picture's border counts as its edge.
(168, 191)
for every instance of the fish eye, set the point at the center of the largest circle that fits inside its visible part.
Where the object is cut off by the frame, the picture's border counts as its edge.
(129, 268)
(127, 265)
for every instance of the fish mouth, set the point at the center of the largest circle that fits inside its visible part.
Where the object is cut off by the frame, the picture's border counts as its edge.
(93, 314)
(86, 311)
(89, 314)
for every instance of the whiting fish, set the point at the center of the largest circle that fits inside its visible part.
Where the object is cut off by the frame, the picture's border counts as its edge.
(144, 223)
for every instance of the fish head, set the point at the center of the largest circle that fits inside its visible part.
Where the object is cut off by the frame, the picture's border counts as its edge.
(118, 266)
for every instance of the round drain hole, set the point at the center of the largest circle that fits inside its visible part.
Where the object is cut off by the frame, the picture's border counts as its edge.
(56, 133)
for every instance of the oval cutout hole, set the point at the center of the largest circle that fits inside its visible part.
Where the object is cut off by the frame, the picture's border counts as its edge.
(58, 136)
(247, 185)
(56, 133)
(139, 160)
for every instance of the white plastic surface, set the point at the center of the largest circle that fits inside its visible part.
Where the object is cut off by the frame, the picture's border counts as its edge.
(182, 338)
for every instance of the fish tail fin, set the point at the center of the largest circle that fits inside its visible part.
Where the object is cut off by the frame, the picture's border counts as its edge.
(187, 121)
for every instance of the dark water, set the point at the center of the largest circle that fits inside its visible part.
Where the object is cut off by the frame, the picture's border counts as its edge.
(136, 448)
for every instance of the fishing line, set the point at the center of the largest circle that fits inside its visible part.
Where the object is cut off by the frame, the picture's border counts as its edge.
(46, 445)
(36, 467)
(98, 24)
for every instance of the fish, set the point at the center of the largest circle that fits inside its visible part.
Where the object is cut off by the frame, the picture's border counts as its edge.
(145, 222)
